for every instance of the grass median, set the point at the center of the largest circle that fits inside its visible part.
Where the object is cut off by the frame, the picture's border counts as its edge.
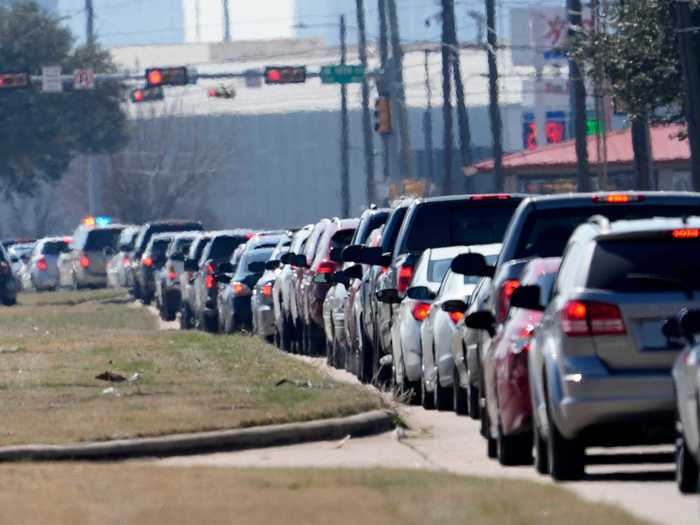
(69, 494)
(52, 346)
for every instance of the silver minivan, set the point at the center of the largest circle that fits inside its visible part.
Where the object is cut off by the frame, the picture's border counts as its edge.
(85, 265)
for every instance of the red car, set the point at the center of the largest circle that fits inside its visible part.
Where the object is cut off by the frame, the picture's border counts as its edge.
(505, 367)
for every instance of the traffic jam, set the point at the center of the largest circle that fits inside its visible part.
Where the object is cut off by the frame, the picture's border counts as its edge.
(559, 322)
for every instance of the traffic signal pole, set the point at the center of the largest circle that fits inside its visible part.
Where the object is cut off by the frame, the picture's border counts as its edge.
(366, 117)
(447, 119)
(344, 129)
(383, 87)
(94, 184)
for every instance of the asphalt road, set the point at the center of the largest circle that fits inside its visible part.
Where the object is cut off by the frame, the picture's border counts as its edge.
(640, 480)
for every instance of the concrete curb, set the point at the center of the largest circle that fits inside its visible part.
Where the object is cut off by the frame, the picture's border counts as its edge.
(365, 424)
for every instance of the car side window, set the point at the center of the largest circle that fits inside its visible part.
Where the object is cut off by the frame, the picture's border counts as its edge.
(567, 272)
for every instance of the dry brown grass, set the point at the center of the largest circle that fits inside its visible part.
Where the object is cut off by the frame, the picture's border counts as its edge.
(77, 494)
(51, 351)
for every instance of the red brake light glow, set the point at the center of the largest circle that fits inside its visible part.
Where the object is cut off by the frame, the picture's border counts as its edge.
(420, 311)
(125, 261)
(84, 261)
(41, 265)
(686, 233)
(456, 316)
(267, 290)
(147, 262)
(172, 275)
(405, 276)
(490, 196)
(210, 282)
(210, 268)
(507, 289)
(617, 198)
(591, 318)
(326, 266)
(239, 288)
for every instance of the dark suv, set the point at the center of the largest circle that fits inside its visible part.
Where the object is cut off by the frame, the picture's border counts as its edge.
(8, 281)
(147, 231)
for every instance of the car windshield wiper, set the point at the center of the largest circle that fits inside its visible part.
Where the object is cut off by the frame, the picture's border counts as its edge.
(663, 279)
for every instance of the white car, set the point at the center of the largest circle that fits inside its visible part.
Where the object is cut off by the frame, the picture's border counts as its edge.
(411, 312)
(439, 327)
(40, 271)
(18, 253)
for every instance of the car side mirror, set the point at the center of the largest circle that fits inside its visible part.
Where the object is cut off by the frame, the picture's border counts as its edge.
(353, 253)
(225, 267)
(300, 261)
(420, 293)
(256, 267)
(340, 277)
(527, 297)
(473, 264)
(682, 327)
(375, 257)
(286, 258)
(482, 320)
(190, 265)
(454, 306)
(354, 272)
(336, 255)
(273, 264)
(388, 296)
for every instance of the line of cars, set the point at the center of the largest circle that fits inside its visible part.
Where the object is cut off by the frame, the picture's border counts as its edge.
(560, 322)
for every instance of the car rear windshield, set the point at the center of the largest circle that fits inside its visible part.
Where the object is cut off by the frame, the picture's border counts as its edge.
(643, 266)
(251, 256)
(391, 230)
(100, 239)
(437, 269)
(546, 232)
(439, 224)
(180, 246)
(368, 225)
(127, 238)
(224, 246)
(54, 248)
(159, 247)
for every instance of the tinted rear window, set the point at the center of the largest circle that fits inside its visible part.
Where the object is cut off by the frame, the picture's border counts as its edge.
(439, 224)
(643, 266)
(223, 247)
(100, 239)
(368, 225)
(546, 232)
(251, 256)
(54, 248)
(159, 247)
(391, 231)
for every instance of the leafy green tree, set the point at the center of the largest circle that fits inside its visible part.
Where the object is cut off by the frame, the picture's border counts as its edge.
(43, 132)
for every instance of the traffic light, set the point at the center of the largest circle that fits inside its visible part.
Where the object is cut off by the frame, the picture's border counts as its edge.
(222, 92)
(147, 94)
(14, 80)
(285, 74)
(167, 76)
(382, 116)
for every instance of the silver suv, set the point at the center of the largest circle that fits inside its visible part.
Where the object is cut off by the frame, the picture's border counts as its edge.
(600, 366)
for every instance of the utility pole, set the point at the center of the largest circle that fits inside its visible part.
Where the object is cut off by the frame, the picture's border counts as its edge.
(397, 58)
(344, 130)
(366, 117)
(89, 24)
(428, 122)
(691, 77)
(494, 109)
(578, 102)
(94, 182)
(465, 138)
(227, 21)
(448, 125)
(384, 89)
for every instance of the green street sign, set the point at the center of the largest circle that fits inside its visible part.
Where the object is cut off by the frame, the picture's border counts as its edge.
(594, 127)
(339, 74)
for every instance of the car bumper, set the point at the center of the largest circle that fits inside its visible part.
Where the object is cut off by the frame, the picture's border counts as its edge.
(265, 320)
(411, 350)
(242, 314)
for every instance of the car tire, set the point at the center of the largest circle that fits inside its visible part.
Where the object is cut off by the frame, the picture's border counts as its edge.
(331, 357)
(566, 456)
(427, 398)
(186, 321)
(209, 324)
(473, 402)
(514, 450)
(169, 311)
(287, 336)
(459, 395)
(443, 395)
(541, 458)
(686, 468)
(9, 301)
(74, 285)
(491, 443)
(366, 358)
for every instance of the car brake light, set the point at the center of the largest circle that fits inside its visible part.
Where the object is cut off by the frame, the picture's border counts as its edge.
(250, 235)
(239, 288)
(210, 268)
(172, 275)
(591, 318)
(125, 262)
(147, 262)
(456, 316)
(405, 276)
(326, 266)
(504, 295)
(84, 261)
(686, 233)
(41, 265)
(617, 198)
(420, 311)
(490, 196)
(210, 282)
(267, 290)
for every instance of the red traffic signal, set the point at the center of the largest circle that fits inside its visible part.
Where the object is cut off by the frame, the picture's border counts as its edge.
(14, 80)
(382, 116)
(148, 94)
(167, 76)
(285, 74)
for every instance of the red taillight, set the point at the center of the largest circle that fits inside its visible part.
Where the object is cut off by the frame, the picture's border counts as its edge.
(84, 261)
(405, 276)
(210, 268)
(456, 316)
(490, 196)
(420, 311)
(147, 262)
(210, 282)
(239, 288)
(267, 290)
(172, 275)
(326, 266)
(504, 295)
(125, 262)
(250, 235)
(686, 233)
(41, 265)
(591, 318)
(617, 198)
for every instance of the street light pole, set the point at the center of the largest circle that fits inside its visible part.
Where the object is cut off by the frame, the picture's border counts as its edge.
(366, 117)
(344, 130)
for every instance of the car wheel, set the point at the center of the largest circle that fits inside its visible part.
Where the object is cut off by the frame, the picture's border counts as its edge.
(170, 312)
(491, 443)
(459, 395)
(210, 323)
(427, 398)
(686, 468)
(9, 301)
(541, 460)
(287, 336)
(331, 357)
(185, 318)
(74, 283)
(514, 450)
(473, 402)
(443, 395)
(366, 361)
(566, 456)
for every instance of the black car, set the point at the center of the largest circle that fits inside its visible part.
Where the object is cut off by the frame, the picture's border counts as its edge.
(8, 281)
